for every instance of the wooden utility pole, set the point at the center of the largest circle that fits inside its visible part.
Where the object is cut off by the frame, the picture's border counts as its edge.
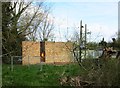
(80, 42)
(85, 39)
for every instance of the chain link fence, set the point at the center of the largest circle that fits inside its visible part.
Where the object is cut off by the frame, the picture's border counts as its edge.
(32, 60)
(18, 61)
(37, 60)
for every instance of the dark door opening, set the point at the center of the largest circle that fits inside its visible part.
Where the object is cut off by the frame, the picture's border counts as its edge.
(42, 51)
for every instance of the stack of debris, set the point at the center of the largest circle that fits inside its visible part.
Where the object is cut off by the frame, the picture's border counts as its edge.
(76, 82)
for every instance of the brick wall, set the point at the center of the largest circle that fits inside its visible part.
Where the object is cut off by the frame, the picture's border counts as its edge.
(29, 51)
(54, 52)
(58, 52)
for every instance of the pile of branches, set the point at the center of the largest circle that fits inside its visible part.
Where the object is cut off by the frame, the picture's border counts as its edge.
(108, 52)
(76, 82)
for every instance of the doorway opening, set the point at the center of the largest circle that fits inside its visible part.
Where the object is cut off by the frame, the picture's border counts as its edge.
(42, 51)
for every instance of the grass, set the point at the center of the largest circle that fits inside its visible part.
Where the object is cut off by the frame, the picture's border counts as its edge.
(107, 75)
(32, 76)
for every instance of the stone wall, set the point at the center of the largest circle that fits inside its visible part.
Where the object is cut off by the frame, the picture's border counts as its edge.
(54, 52)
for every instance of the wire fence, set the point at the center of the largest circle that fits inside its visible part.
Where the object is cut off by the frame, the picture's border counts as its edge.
(32, 60)
(37, 60)
(18, 60)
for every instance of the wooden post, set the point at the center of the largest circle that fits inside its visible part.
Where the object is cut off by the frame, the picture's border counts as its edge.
(11, 63)
(80, 42)
(85, 39)
(28, 61)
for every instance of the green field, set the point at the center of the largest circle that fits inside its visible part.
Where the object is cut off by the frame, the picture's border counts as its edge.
(106, 75)
(32, 76)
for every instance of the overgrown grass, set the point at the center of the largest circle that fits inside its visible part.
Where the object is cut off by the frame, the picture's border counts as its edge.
(32, 76)
(108, 74)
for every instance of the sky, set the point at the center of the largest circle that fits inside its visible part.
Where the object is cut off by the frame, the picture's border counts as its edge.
(101, 19)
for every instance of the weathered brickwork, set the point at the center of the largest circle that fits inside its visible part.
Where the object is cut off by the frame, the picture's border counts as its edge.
(54, 52)
(58, 52)
(29, 51)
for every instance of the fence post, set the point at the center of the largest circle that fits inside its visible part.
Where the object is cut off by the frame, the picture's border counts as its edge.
(11, 63)
(28, 61)
(40, 65)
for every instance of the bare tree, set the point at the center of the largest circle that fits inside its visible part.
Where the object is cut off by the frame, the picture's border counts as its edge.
(18, 22)
(46, 28)
(28, 25)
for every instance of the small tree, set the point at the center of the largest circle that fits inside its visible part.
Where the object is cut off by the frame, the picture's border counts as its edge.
(103, 43)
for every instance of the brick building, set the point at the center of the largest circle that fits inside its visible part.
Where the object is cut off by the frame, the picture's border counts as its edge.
(48, 52)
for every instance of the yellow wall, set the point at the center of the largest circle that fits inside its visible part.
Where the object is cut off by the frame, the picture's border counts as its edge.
(58, 52)
(54, 52)
(29, 51)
